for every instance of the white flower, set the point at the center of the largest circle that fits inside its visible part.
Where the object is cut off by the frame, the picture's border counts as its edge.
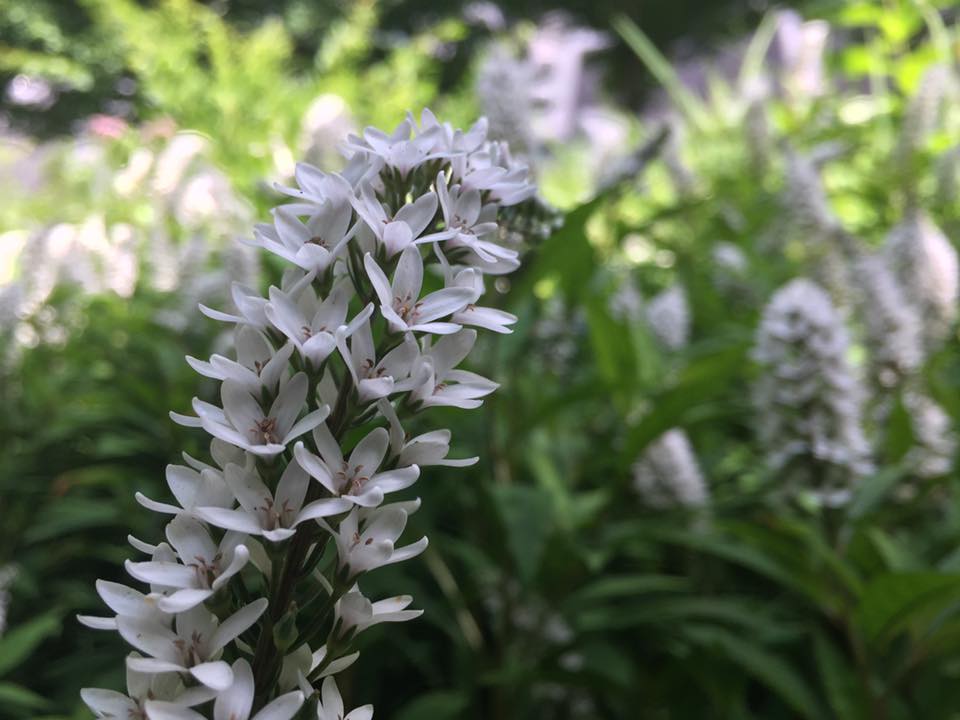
(505, 87)
(258, 365)
(243, 423)
(194, 647)
(404, 228)
(925, 110)
(274, 516)
(926, 265)
(472, 278)
(376, 379)
(314, 246)
(234, 703)
(463, 213)
(250, 306)
(806, 199)
(808, 396)
(493, 170)
(356, 479)
(430, 448)
(894, 332)
(729, 258)
(141, 689)
(399, 150)
(205, 568)
(191, 489)
(445, 385)
(125, 602)
(8, 574)
(935, 442)
(355, 613)
(331, 705)
(668, 314)
(366, 538)
(400, 301)
(309, 322)
(316, 188)
(334, 666)
(668, 473)
(626, 303)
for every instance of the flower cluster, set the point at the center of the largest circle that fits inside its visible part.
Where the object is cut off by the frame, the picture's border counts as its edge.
(668, 315)
(8, 573)
(505, 86)
(926, 265)
(808, 396)
(807, 206)
(893, 329)
(668, 475)
(934, 441)
(247, 608)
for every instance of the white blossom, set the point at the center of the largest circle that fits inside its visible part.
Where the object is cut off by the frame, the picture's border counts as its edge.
(355, 613)
(235, 703)
(397, 232)
(935, 441)
(314, 245)
(243, 422)
(331, 705)
(193, 646)
(892, 325)
(667, 474)
(445, 384)
(8, 574)
(355, 479)
(143, 688)
(807, 205)
(505, 86)
(400, 301)
(430, 448)
(258, 365)
(668, 314)
(367, 537)
(275, 516)
(925, 263)
(375, 379)
(310, 323)
(203, 569)
(808, 397)
(924, 111)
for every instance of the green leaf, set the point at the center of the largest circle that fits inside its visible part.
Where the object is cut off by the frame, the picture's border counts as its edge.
(566, 257)
(629, 586)
(674, 611)
(434, 706)
(766, 667)
(700, 381)
(527, 517)
(64, 517)
(22, 640)
(843, 689)
(615, 358)
(19, 696)
(892, 601)
(872, 491)
(610, 662)
(661, 69)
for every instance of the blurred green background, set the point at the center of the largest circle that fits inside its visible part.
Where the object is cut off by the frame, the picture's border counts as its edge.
(699, 153)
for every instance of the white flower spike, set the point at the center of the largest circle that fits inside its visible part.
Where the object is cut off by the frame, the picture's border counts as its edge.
(217, 630)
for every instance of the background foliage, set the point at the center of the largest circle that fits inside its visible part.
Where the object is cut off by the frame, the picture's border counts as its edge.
(551, 590)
